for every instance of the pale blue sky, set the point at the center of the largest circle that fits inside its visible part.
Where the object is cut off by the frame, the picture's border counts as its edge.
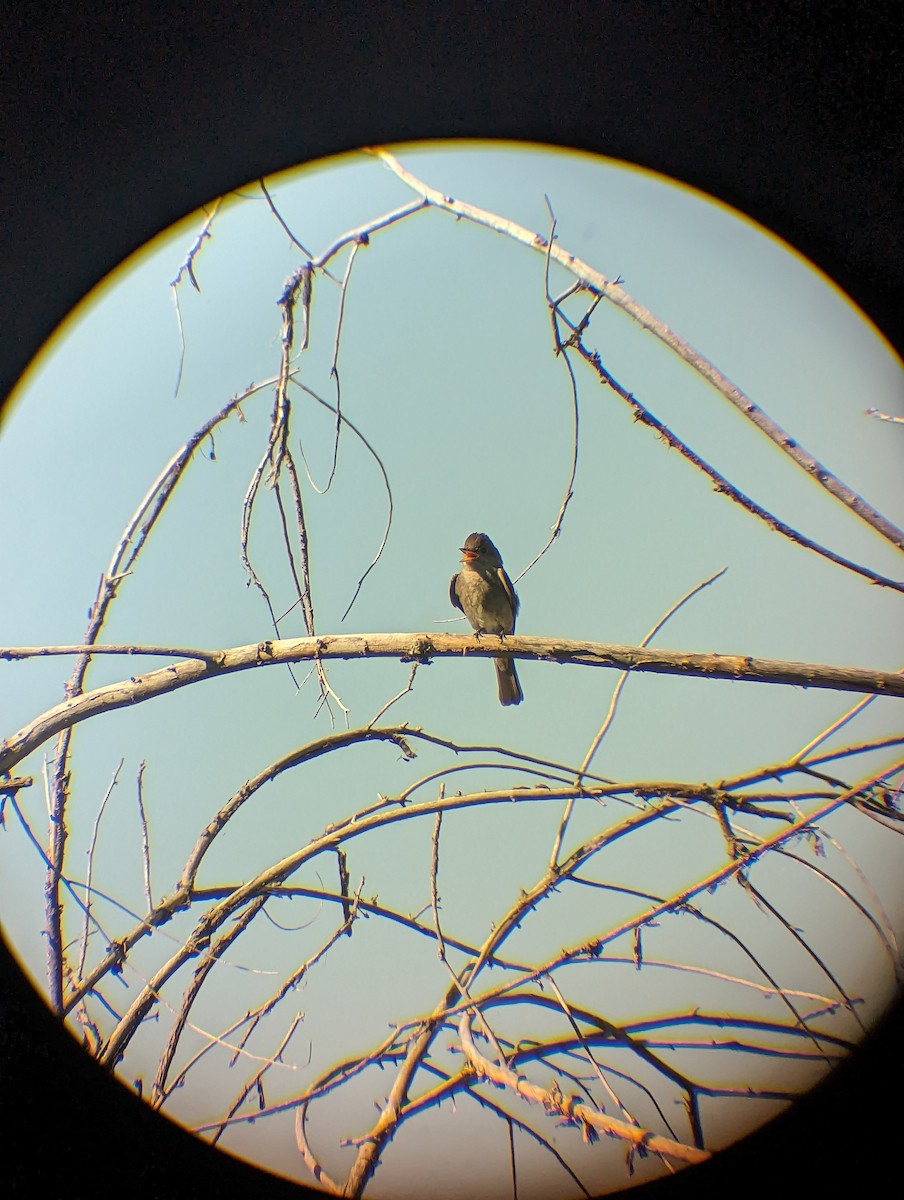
(446, 366)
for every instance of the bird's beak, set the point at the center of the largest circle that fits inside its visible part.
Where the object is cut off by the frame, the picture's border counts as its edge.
(467, 556)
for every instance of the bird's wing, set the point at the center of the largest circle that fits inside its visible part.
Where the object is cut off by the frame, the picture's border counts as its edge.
(453, 594)
(510, 592)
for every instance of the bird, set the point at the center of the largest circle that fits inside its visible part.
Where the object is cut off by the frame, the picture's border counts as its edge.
(484, 593)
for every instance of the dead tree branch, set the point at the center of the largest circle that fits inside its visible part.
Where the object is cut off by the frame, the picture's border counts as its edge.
(598, 284)
(418, 647)
(571, 1111)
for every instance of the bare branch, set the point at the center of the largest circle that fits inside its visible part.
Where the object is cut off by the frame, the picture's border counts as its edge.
(307, 1154)
(91, 851)
(145, 840)
(560, 350)
(420, 647)
(598, 284)
(358, 434)
(721, 484)
(131, 543)
(434, 885)
(363, 232)
(279, 218)
(881, 416)
(610, 715)
(188, 269)
(572, 1113)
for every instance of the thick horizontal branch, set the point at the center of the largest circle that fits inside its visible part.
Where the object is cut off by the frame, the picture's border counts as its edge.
(414, 647)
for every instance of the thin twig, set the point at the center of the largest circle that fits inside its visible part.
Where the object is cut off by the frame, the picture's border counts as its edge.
(383, 540)
(434, 886)
(409, 687)
(188, 268)
(881, 416)
(279, 218)
(594, 1065)
(92, 847)
(145, 840)
(816, 742)
(560, 351)
(760, 897)
(610, 715)
(255, 1083)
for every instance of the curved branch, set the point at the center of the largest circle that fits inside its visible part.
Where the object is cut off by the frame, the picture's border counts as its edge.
(599, 285)
(410, 647)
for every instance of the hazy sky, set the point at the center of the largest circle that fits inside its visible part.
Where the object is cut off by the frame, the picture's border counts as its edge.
(446, 367)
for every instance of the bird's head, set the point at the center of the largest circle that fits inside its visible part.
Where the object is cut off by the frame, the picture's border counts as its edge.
(478, 545)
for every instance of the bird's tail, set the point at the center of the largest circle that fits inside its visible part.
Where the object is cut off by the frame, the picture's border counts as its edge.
(507, 682)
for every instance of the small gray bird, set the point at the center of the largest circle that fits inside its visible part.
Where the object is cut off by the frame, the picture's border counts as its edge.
(484, 593)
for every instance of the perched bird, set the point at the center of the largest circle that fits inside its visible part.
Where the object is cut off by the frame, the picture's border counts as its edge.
(484, 593)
